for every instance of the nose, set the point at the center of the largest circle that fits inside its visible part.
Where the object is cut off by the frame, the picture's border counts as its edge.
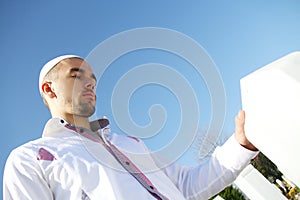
(90, 84)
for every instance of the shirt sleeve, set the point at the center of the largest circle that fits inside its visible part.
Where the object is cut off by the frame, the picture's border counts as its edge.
(212, 176)
(23, 178)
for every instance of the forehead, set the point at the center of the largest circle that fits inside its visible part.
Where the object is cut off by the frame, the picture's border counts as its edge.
(70, 63)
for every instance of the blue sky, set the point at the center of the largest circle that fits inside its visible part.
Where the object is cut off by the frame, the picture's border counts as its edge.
(239, 36)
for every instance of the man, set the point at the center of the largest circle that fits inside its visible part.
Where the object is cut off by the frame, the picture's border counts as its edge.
(76, 159)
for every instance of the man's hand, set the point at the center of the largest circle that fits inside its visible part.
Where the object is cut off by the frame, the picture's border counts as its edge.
(240, 132)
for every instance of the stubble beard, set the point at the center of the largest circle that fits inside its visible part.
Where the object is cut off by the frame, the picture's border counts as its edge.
(83, 109)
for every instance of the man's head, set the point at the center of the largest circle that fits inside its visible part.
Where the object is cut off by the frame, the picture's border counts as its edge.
(67, 85)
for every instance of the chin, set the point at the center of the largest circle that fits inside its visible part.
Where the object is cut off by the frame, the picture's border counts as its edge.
(84, 110)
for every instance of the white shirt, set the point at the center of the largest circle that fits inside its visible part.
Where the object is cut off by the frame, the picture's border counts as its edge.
(64, 164)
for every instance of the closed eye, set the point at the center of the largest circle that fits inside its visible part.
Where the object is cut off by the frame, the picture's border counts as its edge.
(76, 76)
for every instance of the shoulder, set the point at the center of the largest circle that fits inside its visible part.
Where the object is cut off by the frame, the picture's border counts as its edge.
(127, 142)
(22, 157)
(127, 138)
(25, 151)
(31, 150)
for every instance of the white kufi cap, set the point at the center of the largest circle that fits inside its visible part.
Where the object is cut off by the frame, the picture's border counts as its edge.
(49, 65)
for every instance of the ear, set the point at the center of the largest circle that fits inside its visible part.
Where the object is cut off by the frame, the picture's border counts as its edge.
(48, 90)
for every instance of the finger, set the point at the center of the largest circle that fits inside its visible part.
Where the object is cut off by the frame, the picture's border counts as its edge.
(239, 121)
(241, 115)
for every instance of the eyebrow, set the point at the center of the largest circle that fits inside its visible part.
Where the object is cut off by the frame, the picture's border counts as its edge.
(80, 70)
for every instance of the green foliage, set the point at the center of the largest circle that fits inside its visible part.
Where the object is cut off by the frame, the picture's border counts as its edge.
(230, 193)
(267, 168)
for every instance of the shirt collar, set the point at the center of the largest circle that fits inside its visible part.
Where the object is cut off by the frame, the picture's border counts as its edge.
(57, 126)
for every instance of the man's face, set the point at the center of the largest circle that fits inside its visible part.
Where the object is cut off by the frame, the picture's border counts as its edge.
(75, 87)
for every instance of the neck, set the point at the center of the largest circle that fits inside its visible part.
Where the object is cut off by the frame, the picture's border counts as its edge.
(78, 121)
(81, 122)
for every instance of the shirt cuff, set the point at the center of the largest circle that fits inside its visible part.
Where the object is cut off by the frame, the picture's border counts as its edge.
(234, 156)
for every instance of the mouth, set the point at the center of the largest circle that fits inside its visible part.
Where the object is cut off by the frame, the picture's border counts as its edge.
(90, 95)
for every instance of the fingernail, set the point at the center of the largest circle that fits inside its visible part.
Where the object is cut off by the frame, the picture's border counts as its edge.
(240, 114)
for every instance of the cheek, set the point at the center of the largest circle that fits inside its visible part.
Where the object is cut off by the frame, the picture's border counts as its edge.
(77, 84)
(69, 91)
(65, 94)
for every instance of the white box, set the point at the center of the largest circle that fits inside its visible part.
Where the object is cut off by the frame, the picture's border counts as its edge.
(256, 186)
(271, 100)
